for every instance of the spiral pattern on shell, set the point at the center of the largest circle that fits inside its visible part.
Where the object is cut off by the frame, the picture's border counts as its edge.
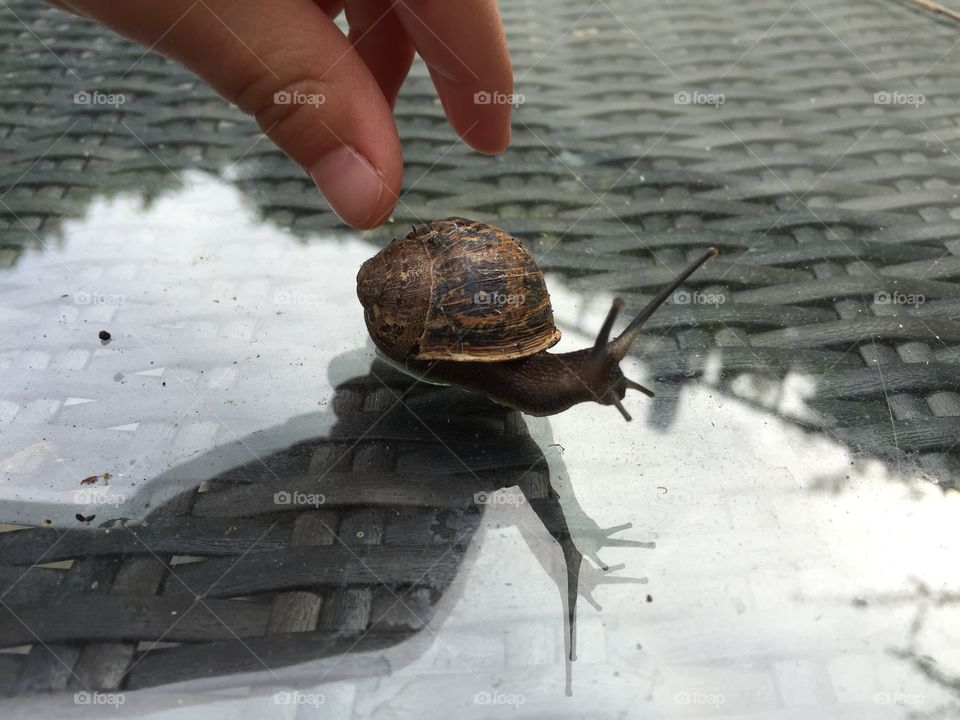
(456, 289)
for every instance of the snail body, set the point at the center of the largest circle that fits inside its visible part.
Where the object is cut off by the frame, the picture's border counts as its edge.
(463, 303)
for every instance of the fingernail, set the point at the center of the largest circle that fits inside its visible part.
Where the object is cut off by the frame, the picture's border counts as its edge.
(350, 184)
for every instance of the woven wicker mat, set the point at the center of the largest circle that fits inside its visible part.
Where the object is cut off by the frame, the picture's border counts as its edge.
(814, 143)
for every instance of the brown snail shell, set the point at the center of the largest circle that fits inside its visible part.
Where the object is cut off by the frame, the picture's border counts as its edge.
(456, 289)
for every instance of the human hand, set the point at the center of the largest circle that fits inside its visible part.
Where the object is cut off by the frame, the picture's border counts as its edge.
(338, 123)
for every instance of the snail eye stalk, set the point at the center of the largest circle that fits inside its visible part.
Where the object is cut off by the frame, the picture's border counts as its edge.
(603, 337)
(620, 346)
(621, 408)
(637, 386)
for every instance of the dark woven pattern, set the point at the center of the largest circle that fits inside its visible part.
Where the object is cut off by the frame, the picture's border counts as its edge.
(355, 571)
(818, 194)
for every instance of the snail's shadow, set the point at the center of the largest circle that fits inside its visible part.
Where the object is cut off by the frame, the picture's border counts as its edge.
(330, 549)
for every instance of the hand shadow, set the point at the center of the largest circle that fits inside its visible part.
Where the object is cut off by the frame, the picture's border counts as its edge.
(323, 553)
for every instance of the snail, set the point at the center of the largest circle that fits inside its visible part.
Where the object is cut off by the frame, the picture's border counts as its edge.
(459, 302)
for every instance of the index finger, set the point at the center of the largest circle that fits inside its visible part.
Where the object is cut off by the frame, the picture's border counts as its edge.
(465, 48)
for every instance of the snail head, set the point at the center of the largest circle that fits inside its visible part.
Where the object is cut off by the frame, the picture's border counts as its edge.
(601, 367)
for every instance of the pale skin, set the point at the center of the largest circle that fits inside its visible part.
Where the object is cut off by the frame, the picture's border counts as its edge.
(249, 51)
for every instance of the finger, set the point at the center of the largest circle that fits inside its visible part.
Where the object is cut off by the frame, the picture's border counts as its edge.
(290, 67)
(67, 7)
(331, 7)
(464, 46)
(380, 39)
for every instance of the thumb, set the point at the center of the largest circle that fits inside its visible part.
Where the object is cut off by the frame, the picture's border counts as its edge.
(291, 68)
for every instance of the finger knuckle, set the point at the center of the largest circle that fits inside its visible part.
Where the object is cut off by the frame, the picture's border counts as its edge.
(278, 103)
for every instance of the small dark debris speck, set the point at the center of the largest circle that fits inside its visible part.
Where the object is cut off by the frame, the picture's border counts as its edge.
(86, 519)
(649, 598)
(104, 335)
